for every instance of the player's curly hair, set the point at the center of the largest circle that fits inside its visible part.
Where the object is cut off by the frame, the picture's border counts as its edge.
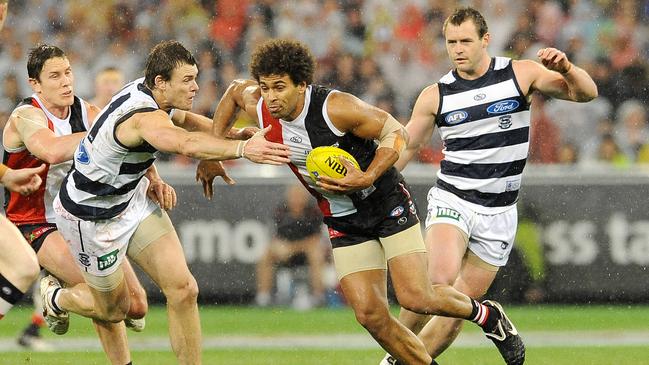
(461, 15)
(283, 57)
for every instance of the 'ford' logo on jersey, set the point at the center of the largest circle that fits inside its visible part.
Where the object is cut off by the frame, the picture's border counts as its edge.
(504, 106)
(456, 117)
(82, 155)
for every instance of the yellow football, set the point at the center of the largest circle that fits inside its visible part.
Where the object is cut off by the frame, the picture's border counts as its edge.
(325, 160)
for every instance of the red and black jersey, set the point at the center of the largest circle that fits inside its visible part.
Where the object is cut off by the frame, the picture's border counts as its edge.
(37, 207)
(313, 128)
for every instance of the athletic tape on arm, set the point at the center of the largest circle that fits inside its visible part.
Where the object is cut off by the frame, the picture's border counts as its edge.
(392, 135)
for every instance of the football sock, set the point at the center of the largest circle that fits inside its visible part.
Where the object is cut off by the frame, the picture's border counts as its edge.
(482, 315)
(55, 304)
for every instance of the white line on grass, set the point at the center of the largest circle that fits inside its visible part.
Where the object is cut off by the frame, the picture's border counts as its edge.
(354, 341)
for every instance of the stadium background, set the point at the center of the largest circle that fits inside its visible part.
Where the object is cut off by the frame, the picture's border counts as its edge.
(584, 229)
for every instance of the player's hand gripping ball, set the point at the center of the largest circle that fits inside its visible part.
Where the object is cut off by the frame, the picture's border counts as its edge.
(325, 160)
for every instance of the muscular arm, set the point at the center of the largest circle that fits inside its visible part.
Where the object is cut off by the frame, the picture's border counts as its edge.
(241, 94)
(556, 77)
(350, 114)
(158, 130)
(193, 122)
(421, 124)
(30, 124)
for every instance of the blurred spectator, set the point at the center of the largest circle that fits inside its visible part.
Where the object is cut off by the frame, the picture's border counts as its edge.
(107, 83)
(404, 38)
(631, 131)
(545, 137)
(568, 154)
(10, 95)
(298, 232)
(609, 152)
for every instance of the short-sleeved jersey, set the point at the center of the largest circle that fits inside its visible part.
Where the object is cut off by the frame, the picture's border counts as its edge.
(37, 208)
(105, 173)
(484, 124)
(313, 128)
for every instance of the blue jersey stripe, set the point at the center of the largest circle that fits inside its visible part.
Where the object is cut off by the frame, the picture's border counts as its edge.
(477, 197)
(135, 168)
(490, 140)
(483, 171)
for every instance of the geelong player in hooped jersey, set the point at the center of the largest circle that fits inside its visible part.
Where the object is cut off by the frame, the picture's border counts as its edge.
(46, 128)
(372, 220)
(482, 110)
(112, 203)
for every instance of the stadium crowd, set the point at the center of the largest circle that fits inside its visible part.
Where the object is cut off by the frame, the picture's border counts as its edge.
(384, 51)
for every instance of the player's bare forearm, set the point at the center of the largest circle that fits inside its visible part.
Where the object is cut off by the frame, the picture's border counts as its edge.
(53, 149)
(202, 146)
(581, 86)
(383, 159)
(227, 107)
(152, 174)
(405, 157)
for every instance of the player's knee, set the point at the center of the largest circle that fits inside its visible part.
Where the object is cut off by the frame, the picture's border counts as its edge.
(417, 299)
(25, 274)
(183, 292)
(139, 305)
(114, 313)
(372, 318)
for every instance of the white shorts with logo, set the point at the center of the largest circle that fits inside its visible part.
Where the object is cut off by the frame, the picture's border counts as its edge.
(99, 247)
(491, 236)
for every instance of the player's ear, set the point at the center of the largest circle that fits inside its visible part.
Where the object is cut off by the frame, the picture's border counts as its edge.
(35, 84)
(160, 83)
(301, 87)
(485, 39)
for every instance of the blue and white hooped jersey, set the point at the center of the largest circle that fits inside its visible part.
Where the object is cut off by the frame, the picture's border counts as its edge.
(105, 173)
(484, 124)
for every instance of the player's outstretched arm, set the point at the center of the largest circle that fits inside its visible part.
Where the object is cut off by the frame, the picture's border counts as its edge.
(30, 125)
(157, 129)
(421, 125)
(241, 94)
(557, 77)
(23, 181)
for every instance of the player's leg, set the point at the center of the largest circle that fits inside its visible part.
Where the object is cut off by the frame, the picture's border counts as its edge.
(18, 266)
(474, 280)
(361, 269)
(159, 253)
(139, 305)
(446, 245)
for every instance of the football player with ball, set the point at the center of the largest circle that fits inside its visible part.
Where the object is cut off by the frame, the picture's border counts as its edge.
(372, 220)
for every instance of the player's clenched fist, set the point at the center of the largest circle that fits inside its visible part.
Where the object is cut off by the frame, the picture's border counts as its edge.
(555, 60)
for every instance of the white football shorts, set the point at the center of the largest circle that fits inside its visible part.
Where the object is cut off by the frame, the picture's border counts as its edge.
(491, 236)
(99, 247)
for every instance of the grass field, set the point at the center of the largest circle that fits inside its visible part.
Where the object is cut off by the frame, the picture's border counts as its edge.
(249, 336)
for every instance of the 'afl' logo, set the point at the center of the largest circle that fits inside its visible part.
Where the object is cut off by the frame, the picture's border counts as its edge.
(296, 139)
(479, 97)
(504, 106)
(456, 117)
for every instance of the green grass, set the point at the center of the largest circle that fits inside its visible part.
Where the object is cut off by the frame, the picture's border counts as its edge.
(241, 321)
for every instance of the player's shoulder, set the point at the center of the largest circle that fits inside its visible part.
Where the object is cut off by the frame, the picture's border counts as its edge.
(526, 65)
(29, 114)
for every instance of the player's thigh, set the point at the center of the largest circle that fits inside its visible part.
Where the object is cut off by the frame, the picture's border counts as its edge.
(164, 261)
(55, 256)
(446, 245)
(406, 254)
(476, 276)
(17, 259)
